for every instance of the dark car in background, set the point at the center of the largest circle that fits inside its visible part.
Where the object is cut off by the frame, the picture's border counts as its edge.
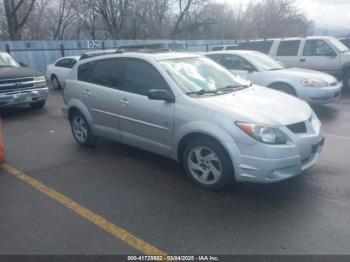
(20, 85)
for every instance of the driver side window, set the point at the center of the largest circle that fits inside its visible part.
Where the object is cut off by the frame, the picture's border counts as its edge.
(317, 48)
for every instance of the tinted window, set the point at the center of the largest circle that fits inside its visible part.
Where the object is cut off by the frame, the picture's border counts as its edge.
(231, 62)
(140, 77)
(317, 48)
(261, 46)
(104, 72)
(288, 48)
(66, 63)
(218, 48)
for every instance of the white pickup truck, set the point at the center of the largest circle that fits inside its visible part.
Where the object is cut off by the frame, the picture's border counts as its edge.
(321, 53)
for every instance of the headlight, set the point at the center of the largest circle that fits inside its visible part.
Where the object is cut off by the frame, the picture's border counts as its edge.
(314, 83)
(40, 81)
(265, 134)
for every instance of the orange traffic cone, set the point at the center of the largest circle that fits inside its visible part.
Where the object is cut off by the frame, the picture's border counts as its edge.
(2, 150)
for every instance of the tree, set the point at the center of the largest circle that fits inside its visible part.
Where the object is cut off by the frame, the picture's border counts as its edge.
(17, 13)
(113, 13)
(64, 18)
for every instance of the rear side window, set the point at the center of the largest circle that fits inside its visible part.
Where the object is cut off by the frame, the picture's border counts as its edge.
(231, 62)
(106, 72)
(317, 48)
(66, 63)
(261, 46)
(140, 77)
(288, 48)
(218, 48)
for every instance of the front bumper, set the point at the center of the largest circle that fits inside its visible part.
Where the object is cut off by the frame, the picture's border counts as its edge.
(23, 97)
(262, 163)
(320, 95)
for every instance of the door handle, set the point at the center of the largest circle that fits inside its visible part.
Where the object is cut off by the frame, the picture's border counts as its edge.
(302, 60)
(124, 101)
(87, 93)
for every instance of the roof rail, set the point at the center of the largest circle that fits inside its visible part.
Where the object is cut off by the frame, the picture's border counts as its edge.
(102, 52)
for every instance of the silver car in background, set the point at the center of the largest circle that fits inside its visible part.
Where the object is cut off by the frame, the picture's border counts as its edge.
(191, 109)
(312, 86)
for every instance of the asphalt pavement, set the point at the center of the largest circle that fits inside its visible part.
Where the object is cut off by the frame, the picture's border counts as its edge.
(149, 196)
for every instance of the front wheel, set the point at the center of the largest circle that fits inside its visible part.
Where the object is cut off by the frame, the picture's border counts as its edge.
(38, 105)
(55, 82)
(81, 130)
(208, 165)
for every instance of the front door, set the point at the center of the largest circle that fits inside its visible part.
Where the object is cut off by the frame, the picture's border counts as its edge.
(319, 55)
(145, 123)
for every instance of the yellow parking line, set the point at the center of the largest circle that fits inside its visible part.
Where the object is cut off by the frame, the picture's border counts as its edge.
(89, 215)
(338, 136)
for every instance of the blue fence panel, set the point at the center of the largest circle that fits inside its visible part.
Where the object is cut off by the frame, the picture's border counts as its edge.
(39, 54)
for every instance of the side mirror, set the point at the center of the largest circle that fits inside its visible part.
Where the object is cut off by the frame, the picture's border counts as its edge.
(160, 94)
(248, 68)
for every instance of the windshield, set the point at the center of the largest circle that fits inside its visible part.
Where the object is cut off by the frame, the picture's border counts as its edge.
(199, 74)
(339, 45)
(265, 62)
(7, 61)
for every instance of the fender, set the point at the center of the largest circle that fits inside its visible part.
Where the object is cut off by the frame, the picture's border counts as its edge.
(77, 104)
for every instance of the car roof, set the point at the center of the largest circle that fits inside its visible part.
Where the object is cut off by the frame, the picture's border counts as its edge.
(73, 57)
(234, 52)
(153, 56)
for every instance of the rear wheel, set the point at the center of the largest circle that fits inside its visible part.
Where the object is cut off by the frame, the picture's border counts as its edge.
(38, 105)
(81, 130)
(208, 165)
(55, 82)
(283, 88)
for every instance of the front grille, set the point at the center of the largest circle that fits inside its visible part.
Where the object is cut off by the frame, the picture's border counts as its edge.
(11, 85)
(298, 128)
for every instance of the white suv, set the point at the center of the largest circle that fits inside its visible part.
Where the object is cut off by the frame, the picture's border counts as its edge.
(321, 53)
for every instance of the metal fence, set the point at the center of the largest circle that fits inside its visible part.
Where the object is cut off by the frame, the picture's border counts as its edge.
(39, 54)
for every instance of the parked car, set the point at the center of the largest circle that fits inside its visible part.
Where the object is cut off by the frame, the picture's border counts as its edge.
(224, 47)
(189, 108)
(60, 69)
(21, 85)
(312, 86)
(321, 53)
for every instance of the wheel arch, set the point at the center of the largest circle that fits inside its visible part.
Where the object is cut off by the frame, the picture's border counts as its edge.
(283, 83)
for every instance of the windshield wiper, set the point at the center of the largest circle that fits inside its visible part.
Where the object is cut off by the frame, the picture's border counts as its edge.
(202, 92)
(234, 88)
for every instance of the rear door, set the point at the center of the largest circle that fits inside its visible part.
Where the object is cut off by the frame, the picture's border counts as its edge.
(288, 52)
(100, 94)
(145, 123)
(319, 55)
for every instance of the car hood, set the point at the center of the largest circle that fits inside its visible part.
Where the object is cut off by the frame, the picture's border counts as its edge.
(262, 106)
(17, 72)
(300, 73)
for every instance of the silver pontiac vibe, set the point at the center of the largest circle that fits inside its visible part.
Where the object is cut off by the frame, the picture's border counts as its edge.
(191, 109)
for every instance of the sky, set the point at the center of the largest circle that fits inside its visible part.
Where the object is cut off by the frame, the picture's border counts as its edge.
(323, 12)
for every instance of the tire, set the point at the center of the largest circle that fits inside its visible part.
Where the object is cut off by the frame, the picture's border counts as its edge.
(38, 105)
(55, 82)
(81, 130)
(346, 79)
(201, 172)
(283, 88)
